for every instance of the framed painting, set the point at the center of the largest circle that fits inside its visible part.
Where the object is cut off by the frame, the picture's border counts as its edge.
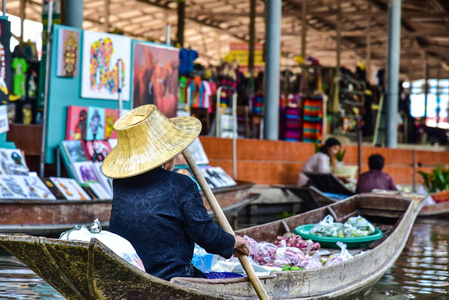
(155, 78)
(102, 54)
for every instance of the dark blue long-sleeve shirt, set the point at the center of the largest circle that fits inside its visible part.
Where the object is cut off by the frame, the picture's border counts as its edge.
(161, 213)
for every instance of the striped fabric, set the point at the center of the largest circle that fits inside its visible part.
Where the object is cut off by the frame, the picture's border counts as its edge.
(313, 119)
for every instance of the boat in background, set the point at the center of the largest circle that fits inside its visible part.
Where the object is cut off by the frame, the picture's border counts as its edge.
(51, 217)
(90, 270)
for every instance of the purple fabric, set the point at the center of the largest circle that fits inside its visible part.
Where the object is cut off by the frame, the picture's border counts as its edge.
(375, 179)
(222, 275)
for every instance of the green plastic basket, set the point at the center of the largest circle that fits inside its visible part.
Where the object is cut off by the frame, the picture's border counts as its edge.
(331, 242)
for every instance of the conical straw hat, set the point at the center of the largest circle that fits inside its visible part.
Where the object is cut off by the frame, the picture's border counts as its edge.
(146, 139)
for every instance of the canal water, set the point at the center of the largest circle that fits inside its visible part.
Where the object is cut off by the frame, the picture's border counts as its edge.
(421, 272)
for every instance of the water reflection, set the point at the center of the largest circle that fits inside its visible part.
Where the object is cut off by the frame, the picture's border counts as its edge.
(19, 282)
(421, 272)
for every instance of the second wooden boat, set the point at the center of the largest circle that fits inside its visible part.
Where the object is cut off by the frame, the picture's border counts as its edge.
(51, 217)
(82, 270)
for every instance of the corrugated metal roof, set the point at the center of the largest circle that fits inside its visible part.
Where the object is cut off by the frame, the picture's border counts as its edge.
(212, 24)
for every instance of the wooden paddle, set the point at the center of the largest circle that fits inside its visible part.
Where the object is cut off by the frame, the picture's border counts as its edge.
(224, 223)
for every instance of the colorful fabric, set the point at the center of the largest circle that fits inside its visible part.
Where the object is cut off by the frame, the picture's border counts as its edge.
(313, 119)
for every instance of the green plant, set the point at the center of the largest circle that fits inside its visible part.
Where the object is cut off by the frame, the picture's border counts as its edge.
(317, 147)
(437, 180)
(340, 155)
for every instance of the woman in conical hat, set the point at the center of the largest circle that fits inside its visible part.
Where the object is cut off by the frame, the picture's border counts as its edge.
(161, 212)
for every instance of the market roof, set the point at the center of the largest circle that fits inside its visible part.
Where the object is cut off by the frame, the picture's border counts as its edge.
(212, 24)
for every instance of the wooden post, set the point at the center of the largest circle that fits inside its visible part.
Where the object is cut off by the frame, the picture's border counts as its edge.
(107, 5)
(252, 42)
(304, 44)
(22, 17)
(426, 85)
(304, 28)
(181, 22)
(338, 33)
(368, 47)
(223, 221)
(414, 170)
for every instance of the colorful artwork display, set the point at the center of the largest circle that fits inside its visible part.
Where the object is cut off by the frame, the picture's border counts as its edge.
(12, 162)
(95, 123)
(97, 150)
(156, 77)
(75, 151)
(98, 189)
(105, 182)
(23, 187)
(68, 53)
(111, 115)
(198, 153)
(84, 172)
(76, 127)
(69, 188)
(216, 177)
(102, 54)
(5, 59)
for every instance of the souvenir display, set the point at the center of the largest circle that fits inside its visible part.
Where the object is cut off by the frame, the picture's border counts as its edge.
(13, 162)
(102, 54)
(111, 115)
(198, 153)
(24, 187)
(98, 189)
(216, 177)
(84, 172)
(76, 125)
(95, 123)
(105, 182)
(74, 151)
(68, 53)
(96, 150)
(70, 188)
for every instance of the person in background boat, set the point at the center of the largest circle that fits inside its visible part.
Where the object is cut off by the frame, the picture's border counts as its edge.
(375, 178)
(321, 161)
(160, 212)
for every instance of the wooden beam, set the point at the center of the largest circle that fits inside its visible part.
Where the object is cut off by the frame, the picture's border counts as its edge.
(338, 32)
(107, 4)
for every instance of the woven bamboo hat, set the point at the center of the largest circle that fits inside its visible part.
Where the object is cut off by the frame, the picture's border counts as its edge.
(146, 139)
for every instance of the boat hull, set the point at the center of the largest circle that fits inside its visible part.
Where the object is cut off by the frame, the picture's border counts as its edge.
(81, 270)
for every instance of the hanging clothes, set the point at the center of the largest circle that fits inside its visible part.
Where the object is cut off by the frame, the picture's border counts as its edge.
(186, 57)
(313, 119)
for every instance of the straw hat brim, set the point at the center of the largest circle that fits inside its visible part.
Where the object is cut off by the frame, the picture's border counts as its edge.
(149, 144)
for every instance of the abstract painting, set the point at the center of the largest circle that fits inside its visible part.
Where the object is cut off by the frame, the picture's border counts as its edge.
(156, 77)
(102, 54)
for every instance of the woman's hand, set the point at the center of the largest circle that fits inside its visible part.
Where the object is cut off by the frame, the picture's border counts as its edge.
(241, 245)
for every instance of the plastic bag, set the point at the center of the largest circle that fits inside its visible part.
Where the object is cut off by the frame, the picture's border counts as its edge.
(288, 256)
(327, 227)
(362, 224)
(116, 243)
(253, 252)
(311, 262)
(202, 260)
(340, 257)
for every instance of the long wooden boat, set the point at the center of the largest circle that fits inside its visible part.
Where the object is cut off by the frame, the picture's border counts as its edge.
(51, 217)
(440, 209)
(83, 270)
